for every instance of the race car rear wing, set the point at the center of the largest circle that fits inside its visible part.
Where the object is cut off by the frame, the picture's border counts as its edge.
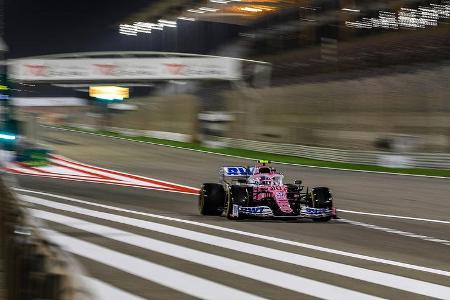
(230, 174)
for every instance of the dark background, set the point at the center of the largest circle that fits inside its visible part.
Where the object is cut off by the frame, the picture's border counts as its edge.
(60, 26)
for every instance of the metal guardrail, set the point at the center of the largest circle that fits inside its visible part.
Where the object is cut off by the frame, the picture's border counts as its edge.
(35, 268)
(414, 159)
(417, 160)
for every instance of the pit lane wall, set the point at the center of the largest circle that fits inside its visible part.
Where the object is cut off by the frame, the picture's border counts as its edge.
(34, 267)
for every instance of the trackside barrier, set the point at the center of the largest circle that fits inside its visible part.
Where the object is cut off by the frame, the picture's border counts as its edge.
(35, 268)
(417, 160)
(164, 135)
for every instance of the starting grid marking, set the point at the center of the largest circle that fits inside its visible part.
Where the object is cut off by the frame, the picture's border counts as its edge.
(66, 169)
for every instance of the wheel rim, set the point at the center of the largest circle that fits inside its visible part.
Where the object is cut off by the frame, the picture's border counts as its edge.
(201, 201)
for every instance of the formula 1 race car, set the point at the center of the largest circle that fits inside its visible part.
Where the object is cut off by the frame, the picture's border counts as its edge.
(259, 191)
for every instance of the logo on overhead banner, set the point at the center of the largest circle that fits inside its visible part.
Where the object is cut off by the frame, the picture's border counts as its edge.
(37, 70)
(82, 69)
(106, 69)
(175, 69)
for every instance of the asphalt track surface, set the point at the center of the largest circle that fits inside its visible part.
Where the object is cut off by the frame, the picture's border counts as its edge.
(140, 243)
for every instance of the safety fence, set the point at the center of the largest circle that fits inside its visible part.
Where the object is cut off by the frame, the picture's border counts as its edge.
(416, 160)
(383, 158)
(34, 267)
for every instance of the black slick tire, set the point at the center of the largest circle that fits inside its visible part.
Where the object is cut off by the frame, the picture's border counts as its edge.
(322, 198)
(211, 199)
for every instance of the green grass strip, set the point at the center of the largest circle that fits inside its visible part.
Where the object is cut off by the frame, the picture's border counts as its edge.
(268, 156)
(37, 163)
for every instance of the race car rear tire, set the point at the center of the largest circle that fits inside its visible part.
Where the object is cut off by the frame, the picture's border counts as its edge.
(211, 199)
(238, 195)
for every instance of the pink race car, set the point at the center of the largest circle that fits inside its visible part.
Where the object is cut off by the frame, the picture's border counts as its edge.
(259, 191)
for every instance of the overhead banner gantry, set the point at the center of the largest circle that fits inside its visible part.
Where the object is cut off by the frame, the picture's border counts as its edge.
(124, 69)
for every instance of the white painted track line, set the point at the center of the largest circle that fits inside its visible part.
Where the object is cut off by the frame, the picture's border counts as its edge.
(180, 281)
(250, 234)
(385, 279)
(262, 274)
(109, 171)
(67, 169)
(398, 232)
(393, 216)
(104, 291)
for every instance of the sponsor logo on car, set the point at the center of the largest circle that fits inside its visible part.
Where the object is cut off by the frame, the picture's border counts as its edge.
(315, 211)
(235, 171)
(256, 210)
(235, 212)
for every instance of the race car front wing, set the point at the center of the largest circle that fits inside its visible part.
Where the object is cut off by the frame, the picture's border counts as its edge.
(265, 211)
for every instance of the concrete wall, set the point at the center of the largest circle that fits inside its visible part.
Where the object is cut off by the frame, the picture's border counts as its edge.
(170, 113)
(176, 114)
(349, 114)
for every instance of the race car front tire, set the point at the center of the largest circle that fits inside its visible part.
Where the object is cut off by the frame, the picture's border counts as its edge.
(321, 197)
(211, 199)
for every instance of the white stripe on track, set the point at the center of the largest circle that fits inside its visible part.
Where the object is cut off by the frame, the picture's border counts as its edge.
(376, 277)
(111, 183)
(104, 291)
(71, 177)
(177, 280)
(56, 170)
(393, 216)
(114, 177)
(19, 168)
(398, 232)
(250, 234)
(64, 171)
(273, 277)
(108, 171)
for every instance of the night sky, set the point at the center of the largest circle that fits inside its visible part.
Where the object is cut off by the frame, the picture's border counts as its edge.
(58, 26)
